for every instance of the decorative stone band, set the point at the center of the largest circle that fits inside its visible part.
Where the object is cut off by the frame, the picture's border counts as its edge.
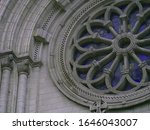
(17, 59)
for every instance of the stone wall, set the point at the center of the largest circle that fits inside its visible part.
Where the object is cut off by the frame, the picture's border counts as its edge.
(27, 30)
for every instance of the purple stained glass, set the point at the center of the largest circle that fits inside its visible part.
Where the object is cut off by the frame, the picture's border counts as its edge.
(93, 44)
(97, 74)
(144, 57)
(116, 76)
(127, 87)
(107, 31)
(133, 17)
(143, 27)
(115, 18)
(76, 54)
(123, 7)
(145, 5)
(103, 32)
(82, 75)
(88, 61)
(84, 33)
(136, 72)
(101, 86)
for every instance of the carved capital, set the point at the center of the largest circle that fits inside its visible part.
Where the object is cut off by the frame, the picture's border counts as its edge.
(23, 67)
(6, 62)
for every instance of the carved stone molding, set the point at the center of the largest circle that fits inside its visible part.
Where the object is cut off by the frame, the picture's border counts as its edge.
(63, 3)
(41, 35)
(93, 48)
(8, 56)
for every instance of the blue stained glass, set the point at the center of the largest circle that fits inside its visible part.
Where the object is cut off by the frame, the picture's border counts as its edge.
(76, 54)
(133, 17)
(143, 27)
(107, 35)
(97, 74)
(123, 7)
(145, 6)
(87, 46)
(135, 72)
(101, 86)
(84, 33)
(116, 22)
(148, 61)
(144, 57)
(116, 76)
(98, 58)
(82, 76)
(147, 36)
(127, 87)
(102, 32)
(101, 17)
(93, 44)
(107, 66)
(88, 61)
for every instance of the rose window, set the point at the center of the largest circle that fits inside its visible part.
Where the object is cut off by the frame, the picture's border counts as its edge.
(99, 55)
(110, 51)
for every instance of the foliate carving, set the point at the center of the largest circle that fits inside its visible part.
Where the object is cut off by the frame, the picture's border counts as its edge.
(104, 53)
(23, 67)
(6, 62)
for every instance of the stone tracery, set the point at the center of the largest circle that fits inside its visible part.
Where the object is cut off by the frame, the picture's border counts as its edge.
(98, 52)
(111, 54)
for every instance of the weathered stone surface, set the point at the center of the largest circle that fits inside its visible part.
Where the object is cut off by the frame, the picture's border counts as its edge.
(37, 40)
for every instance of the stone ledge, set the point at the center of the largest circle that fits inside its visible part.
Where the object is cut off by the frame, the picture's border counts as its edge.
(18, 59)
(41, 35)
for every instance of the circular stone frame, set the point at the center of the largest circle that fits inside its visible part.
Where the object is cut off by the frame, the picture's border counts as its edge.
(60, 69)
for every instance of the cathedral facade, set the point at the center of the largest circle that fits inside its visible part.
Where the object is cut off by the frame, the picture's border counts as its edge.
(74, 56)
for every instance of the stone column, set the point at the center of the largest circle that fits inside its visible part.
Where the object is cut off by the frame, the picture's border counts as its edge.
(34, 88)
(6, 66)
(23, 70)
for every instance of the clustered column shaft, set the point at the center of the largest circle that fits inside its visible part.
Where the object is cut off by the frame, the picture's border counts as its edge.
(23, 70)
(6, 67)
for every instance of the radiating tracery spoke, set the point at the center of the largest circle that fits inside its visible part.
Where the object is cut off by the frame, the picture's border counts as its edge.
(113, 48)
(141, 23)
(143, 50)
(126, 62)
(143, 42)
